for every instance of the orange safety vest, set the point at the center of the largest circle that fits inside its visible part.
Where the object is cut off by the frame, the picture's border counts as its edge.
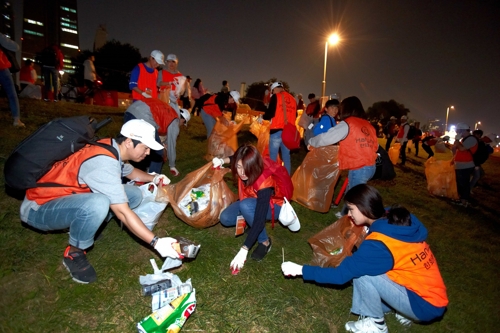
(146, 80)
(211, 108)
(415, 268)
(64, 175)
(401, 131)
(274, 175)
(166, 76)
(25, 74)
(4, 61)
(466, 155)
(359, 148)
(162, 113)
(278, 122)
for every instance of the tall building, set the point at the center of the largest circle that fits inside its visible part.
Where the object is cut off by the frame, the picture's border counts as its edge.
(7, 19)
(48, 22)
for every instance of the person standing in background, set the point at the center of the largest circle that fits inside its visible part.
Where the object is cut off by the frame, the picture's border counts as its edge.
(6, 78)
(402, 137)
(51, 59)
(186, 96)
(197, 91)
(27, 74)
(90, 76)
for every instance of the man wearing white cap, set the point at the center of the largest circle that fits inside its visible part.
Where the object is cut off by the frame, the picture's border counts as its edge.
(144, 76)
(172, 80)
(280, 101)
(91, 188)
(390, 131)
(402, 137)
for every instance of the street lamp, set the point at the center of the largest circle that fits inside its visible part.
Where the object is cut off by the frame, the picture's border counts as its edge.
(447, 111)
(475, 126)
(332, 40)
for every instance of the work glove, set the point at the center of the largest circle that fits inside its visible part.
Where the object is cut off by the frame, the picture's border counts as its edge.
(239, 260)
(145, 94)
(259, 119)
(161, 179)
(217, 162)
(291, 269)
(164, 246)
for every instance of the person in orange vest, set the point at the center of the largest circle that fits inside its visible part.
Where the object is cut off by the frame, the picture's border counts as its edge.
(91, 188)
(213, 105)
(262, 185)
(393, 268)
(357, 143)
(144, 76)
(6, 80)
(280, 102)
(27, 74)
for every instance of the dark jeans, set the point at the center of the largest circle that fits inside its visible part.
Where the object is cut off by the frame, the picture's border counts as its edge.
(388, 143)
(428, 150)
(402, 152)
(416, 143)
(463, 182)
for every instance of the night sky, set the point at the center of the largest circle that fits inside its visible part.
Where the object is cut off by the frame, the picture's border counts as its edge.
(427, 55)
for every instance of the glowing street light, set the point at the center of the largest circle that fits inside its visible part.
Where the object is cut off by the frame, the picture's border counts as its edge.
(475, 126)
(447, 111)
(334, 39)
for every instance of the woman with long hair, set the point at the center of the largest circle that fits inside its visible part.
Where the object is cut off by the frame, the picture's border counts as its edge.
(392, 270)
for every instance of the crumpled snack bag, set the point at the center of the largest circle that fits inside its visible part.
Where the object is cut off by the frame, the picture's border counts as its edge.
(394, 153)
(223, 141)
(314, 180)
(331, 245)
(261, 131)
(221, 195)
(441, 179)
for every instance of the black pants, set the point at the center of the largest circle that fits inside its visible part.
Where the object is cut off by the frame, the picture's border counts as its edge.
(428, 150)
(463, 182)
(402, 152)
(388, 143)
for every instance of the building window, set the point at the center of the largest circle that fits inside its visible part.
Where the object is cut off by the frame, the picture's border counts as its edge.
(71, 10)
(65, 19)
(30, 32)
(69, 30)
(33, 22)
(69, 46)
(68, 25)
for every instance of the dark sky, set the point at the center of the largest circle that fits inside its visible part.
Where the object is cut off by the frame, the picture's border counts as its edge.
(425, 54)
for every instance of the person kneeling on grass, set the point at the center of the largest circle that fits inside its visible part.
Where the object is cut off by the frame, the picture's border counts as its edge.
(90, 185)
(262, 184)
(393, 269)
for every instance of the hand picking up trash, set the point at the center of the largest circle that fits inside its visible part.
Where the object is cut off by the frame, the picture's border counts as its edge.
(172, 301)
(263, 186)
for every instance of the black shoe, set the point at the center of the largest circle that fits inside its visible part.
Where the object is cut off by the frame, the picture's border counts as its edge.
(260, 252)
(77, 265)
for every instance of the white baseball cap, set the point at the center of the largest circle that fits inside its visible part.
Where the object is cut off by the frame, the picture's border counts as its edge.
(142, 131)
(236, 96)
(275, 85)
(461, 126)
(158, 56)
(403, 117)
(172, 57)
(186, 115)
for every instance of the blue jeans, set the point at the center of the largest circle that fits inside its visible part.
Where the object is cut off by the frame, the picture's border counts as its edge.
(209, 122)
(375, 295)
(275, 145)
(50, 78)
(83, 214)
(7, 84)
(155, 158)
(246, 207)
(356, 177)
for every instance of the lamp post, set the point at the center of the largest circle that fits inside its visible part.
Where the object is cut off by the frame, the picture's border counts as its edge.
(446, 124)
(333, 40)
(475, 126)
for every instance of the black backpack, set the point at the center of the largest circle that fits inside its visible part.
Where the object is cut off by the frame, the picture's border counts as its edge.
(411, 132)
(481, 154)
(384, 167)
(52, 142)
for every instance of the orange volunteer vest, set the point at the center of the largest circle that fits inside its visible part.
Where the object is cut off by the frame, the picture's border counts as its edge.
(146, 80)
(211, 108)
(162, 113)
(359, 148)
(278, 122)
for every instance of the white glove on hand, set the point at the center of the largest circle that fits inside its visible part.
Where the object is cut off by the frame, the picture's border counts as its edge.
(291, 269)
(164, 247)
(259, 119)
(145, 94)
(239, 260)
(217, 162)
(161, 178)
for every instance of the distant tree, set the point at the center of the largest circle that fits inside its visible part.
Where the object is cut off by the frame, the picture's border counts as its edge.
(384, 110)
(255, 93)
(113, 62)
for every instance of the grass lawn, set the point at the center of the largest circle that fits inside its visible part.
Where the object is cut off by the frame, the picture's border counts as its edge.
(38, 294)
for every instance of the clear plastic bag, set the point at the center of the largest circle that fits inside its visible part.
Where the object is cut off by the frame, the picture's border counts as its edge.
(149, 211)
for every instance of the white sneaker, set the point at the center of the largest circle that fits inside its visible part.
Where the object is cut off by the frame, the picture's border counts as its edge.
(402, 320)
(338, 215)
(366, 325)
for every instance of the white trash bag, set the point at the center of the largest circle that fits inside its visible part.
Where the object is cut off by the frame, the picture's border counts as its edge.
(149, 211)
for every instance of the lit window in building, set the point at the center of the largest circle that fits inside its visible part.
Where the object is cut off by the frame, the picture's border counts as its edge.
(68, 25)
(33, 22)
(65, 19)
(69, 30)
(71, 10)
(67, 60)
(6, 16)
(30, 32)
(69, 46)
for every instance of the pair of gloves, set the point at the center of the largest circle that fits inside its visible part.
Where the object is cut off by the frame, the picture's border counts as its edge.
(165, 247)
(289, 268)
(145, 94)
(161, 179)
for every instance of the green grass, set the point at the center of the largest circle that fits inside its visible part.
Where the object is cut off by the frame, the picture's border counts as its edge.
(38, 295)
